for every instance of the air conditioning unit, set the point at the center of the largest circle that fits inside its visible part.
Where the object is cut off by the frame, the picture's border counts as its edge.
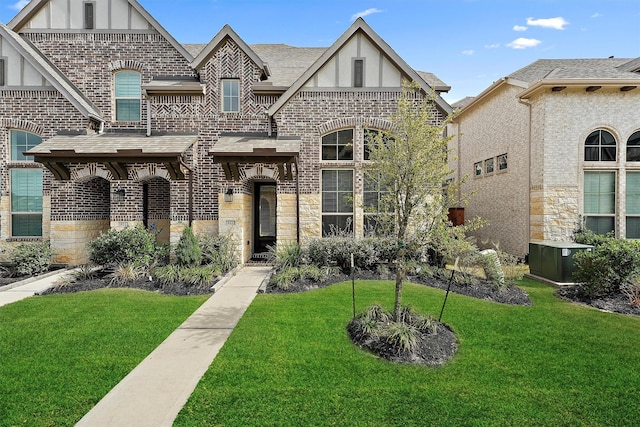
(554, 260)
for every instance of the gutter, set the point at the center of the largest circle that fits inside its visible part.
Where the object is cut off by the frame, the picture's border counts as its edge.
(527, 103)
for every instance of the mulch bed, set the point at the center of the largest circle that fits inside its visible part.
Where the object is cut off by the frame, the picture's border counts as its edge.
(477, 288)
(614, 303)
(104, 281)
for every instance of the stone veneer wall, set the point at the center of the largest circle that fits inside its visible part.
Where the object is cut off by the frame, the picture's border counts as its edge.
(562, 121)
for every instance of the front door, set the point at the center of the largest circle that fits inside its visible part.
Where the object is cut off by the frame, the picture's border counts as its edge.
(264, 214)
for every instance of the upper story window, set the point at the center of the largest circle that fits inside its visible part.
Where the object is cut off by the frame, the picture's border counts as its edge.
(338, 145)
(600, 146)
(370, 136)
(477, 169)
(633, 147)
(2, 73)
(22, 141)
(358, 73)
(127, 96)
(89, 15)
(230, 96)
(489, 165)
(502, 162)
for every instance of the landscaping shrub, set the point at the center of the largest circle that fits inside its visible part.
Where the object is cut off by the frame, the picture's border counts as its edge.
(188, 252)
(286, 255)
(134, 244)
(126, 273)
(198, 276)
(588, 237)
(609, 266)
(336, 251)
(218, 251)
(632, 291)
(31, 258)
(167, 274)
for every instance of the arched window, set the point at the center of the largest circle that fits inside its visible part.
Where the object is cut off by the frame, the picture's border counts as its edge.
(633, 147)
(26, 188)
(127, 96)
(600, 146)
(338, 145)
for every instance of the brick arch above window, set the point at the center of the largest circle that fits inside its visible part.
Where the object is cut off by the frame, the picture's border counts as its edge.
(352, 122)
(149, 172)
(126, 64)
(91, 171)
(24, 125)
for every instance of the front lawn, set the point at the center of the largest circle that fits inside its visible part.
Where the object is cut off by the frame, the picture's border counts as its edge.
(60, 354)
(290, 362)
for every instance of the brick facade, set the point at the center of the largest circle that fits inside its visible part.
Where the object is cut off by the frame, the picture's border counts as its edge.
(94, 199)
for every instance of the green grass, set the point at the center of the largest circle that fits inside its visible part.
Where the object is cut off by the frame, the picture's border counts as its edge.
(60, 354)
(290, 362)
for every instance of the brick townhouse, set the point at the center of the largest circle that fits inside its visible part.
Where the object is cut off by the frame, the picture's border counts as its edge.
(107, 121)
(551, 146)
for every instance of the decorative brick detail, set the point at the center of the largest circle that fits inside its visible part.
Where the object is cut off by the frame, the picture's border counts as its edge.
(126, 64)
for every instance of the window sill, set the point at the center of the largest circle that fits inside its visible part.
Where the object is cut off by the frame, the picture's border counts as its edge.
(25, 239)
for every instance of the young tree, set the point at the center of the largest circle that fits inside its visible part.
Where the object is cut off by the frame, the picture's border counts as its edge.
(410, 167)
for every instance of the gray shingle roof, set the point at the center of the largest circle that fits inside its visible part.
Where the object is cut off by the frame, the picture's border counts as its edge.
(599, 68)
(116, 144)
(288, 63)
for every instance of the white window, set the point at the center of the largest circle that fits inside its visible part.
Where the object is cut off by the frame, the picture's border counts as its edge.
(26, 188)
(337, 201)
(230, 96)
(338, 145)
(633, 205)
(127, 96)
(600, 201)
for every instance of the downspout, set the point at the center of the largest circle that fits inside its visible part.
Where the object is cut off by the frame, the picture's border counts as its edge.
(189, 193)
(528, 104)
(149, 118)
(297, 203)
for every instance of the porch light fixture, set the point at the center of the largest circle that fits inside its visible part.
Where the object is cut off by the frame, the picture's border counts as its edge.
(118, 195)
(228, 195)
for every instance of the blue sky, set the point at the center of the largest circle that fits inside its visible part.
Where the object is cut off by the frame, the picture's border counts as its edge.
(469, 44)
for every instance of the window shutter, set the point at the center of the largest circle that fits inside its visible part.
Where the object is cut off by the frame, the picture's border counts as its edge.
(358, 73)
(1, 71)
(88, 16)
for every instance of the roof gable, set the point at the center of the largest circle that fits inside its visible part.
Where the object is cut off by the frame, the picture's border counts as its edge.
(138, 18)
(51, 73)
(211, 48)
(358, 27)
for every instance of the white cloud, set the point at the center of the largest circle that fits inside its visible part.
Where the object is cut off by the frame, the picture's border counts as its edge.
(522, 43)
(596, 15)
(468, 52)
(365, 13)
(19, 4)
(492, 46)
(519, 28)
(556, 23)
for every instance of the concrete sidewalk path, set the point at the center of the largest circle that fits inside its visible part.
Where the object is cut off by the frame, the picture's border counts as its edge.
(28, 287)
(157, 389)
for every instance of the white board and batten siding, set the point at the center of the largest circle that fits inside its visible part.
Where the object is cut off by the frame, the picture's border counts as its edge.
(69, 15)
(379, 72)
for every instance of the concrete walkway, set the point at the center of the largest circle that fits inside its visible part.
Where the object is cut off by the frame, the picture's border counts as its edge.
(29, 287)
(157, 389)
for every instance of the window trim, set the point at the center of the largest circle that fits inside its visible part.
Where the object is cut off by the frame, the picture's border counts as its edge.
(490, 161)
(635, 136)
(478, 169)
(116, 98)
(506, 163)
(223, 95)
(350, 214)
(337, 145)
(615, 213)
(3, 70)
(89, 15)
(358, 73)
(600, 147)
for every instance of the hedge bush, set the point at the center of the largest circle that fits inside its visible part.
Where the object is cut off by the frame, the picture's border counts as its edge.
(134, 244)
(610, 265)
(31, 258)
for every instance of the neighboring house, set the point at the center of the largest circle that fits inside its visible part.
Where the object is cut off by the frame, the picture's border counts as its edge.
(554, 144)
(107, 121)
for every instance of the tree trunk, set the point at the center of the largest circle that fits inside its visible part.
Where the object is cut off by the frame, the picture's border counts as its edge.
(399, 279)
